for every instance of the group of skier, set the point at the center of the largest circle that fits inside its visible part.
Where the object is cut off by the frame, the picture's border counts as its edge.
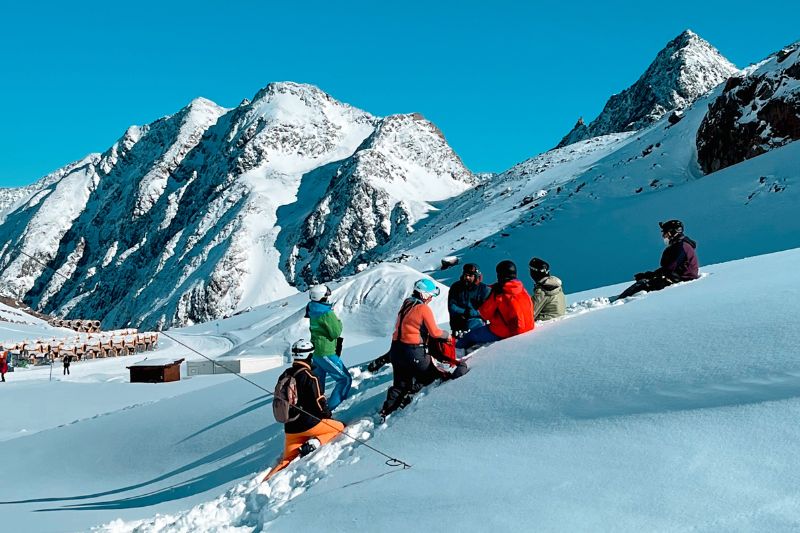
(479, 314)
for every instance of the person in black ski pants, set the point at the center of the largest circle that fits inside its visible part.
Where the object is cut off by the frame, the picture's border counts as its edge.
(411, 364)
(66, 362)
(678, 262)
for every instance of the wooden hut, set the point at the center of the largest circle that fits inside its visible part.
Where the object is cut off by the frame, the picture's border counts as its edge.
(156, 371)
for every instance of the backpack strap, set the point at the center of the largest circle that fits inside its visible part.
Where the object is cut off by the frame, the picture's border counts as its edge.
(404, 310)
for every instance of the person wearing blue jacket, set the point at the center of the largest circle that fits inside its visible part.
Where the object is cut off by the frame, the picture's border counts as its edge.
(465, 298)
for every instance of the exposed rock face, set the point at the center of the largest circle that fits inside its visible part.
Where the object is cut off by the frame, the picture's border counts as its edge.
(687, 68)
(375, 195)
(754, 114)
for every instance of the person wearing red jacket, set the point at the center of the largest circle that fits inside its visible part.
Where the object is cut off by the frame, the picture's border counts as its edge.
(3, 363)
(509, 309)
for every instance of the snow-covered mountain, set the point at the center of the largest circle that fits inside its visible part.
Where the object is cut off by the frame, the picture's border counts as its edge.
(687, 68)
(376, 195)
(211, 211)
(181, 221)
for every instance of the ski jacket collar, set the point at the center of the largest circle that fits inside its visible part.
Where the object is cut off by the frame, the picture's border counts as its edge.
(682, 238)
(299, 363)
(549, 284)
(317, 309)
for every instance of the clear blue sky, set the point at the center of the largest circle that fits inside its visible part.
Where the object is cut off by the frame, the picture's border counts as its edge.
(503, 80)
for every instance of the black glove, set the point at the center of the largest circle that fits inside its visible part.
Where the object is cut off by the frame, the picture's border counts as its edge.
(641, 276)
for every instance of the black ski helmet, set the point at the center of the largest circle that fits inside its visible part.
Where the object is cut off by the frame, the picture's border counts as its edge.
(472, 268)
(506, 270)
(671, 226)
(539, 268)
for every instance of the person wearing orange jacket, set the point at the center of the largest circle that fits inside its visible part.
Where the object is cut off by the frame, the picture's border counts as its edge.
(411, 363)
(509, 309)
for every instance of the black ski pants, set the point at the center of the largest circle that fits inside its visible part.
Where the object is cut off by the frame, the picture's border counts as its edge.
(649, 285)
(412, 369)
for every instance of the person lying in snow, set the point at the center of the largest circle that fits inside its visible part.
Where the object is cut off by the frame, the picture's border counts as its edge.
(465, 298)
(509, 310)
(411, 363)
(678, 262)
(298, 388)
(548, 292)
(326, 328)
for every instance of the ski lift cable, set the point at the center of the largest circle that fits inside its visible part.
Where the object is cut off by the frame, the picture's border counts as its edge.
(390, 461)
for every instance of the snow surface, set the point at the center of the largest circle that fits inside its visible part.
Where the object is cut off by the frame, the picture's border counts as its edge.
(668, 411)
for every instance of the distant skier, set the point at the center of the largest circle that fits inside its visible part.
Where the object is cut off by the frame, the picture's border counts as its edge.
(66, 361)
(411, 364)
(548, 293)
(326, 328)
(678, 262)
(509, 309)
(297, 389)
(465, 298)
(3, 363)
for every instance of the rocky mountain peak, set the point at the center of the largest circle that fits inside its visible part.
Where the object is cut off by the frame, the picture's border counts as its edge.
(754, 113)
(687, 68)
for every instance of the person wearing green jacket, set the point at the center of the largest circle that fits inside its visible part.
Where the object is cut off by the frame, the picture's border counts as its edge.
(548, 294)
(326, 328)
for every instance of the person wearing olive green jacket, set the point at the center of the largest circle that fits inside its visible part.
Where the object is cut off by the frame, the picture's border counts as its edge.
(548, 294)
(326, 328)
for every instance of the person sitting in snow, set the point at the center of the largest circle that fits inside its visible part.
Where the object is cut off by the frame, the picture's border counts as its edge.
(465, 298)
(309, 417)
(326, 328)
(548, 293)
(678, 262)
(411, 363)
(509, 310)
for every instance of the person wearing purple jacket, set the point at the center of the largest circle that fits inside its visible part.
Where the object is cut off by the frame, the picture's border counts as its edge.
(678, 262)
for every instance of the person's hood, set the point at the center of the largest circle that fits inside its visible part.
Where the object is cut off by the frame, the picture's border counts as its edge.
(550, 284)
(683, 238)
(317, 309)
(513, 287)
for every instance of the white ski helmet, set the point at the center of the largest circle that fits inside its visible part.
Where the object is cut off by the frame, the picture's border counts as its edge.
(302, 348)
(319, 293)
(426, 288)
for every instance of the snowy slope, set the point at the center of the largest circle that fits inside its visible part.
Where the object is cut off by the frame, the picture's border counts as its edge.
(687, 68)
(591, 208)
(605, 420)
